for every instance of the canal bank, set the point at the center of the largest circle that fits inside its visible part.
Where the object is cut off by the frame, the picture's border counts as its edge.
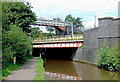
(94, 38)
(40, 71)
(86, 55)
(93, 41)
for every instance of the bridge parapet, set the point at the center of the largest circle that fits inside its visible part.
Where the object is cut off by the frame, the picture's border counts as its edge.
(59, 38)
(59, 42)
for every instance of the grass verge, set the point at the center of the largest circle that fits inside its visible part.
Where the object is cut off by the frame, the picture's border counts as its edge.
(39, 70)
(11, 67)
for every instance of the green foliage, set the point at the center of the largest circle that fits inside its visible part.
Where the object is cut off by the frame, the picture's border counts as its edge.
(39, 66)
(39, 77)
(17, 13)
(39, 69)
(108, 58)
(10, 67)
(50, 29)
(77, 23)
(81, 46)
(57, 32)
(7, 55)
(46, 35)
(16, 18)
(15, 43)
(58, 19)
(35, 32)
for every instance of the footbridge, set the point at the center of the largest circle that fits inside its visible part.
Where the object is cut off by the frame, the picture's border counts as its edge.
(60, 26)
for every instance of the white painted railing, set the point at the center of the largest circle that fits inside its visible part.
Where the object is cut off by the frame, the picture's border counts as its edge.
(52, 23)
(59, 38)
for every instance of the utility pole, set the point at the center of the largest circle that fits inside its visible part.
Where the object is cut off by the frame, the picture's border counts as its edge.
(67, 29)
(95, 22)
(72, 29)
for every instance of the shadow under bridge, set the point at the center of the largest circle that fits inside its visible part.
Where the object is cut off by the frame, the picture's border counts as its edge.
(56, 50)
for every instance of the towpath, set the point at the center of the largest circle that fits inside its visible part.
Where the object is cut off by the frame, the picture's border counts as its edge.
(25, 72)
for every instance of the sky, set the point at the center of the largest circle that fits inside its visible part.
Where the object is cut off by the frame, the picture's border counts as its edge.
(85, 9)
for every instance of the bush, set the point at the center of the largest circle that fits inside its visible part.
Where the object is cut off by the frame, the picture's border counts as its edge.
(108, 58)
(10, 67)
(7, 55)
(15, 43)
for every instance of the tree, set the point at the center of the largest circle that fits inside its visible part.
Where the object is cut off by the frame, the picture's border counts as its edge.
(16, 18)
(50, 29)
(58, 19)
(15, 43)
(69, 18)
(57, 32)
(17, 13)
(77, 23)
(35, 32)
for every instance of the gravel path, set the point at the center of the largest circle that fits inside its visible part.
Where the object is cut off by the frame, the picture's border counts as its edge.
(25, 72)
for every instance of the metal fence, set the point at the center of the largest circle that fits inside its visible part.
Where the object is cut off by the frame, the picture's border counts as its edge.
(52, 23)
(59, 38)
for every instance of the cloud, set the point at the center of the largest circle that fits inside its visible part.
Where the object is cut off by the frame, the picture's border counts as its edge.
(81, 5)
(54, 7)
(60, 8)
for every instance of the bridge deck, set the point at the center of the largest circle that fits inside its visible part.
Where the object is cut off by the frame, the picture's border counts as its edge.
(53, 23)
(58, 44)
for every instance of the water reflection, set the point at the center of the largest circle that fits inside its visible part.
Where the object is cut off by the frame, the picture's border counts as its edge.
(61, 66)
(77, 69)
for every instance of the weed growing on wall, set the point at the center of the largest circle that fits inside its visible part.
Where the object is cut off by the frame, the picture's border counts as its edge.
(108, 58)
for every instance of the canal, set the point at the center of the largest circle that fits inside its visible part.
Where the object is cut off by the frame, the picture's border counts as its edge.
(73, 70)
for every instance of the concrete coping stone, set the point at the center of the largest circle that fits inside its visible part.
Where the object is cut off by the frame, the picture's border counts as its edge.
(91, 29)
(104, 18)
(117, 19)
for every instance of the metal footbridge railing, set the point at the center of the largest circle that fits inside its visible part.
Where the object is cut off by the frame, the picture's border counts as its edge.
(53, 23)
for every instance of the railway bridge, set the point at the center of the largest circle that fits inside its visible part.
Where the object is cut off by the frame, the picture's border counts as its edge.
(57, 49)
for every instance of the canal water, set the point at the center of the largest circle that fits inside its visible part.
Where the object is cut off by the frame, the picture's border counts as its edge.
(72, 70)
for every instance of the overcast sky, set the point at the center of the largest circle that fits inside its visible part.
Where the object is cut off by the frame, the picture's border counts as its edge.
(86, 9)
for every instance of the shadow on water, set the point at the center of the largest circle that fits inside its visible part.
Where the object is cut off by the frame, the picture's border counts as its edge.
(61, 66)
(78, 69)
(72, 68)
